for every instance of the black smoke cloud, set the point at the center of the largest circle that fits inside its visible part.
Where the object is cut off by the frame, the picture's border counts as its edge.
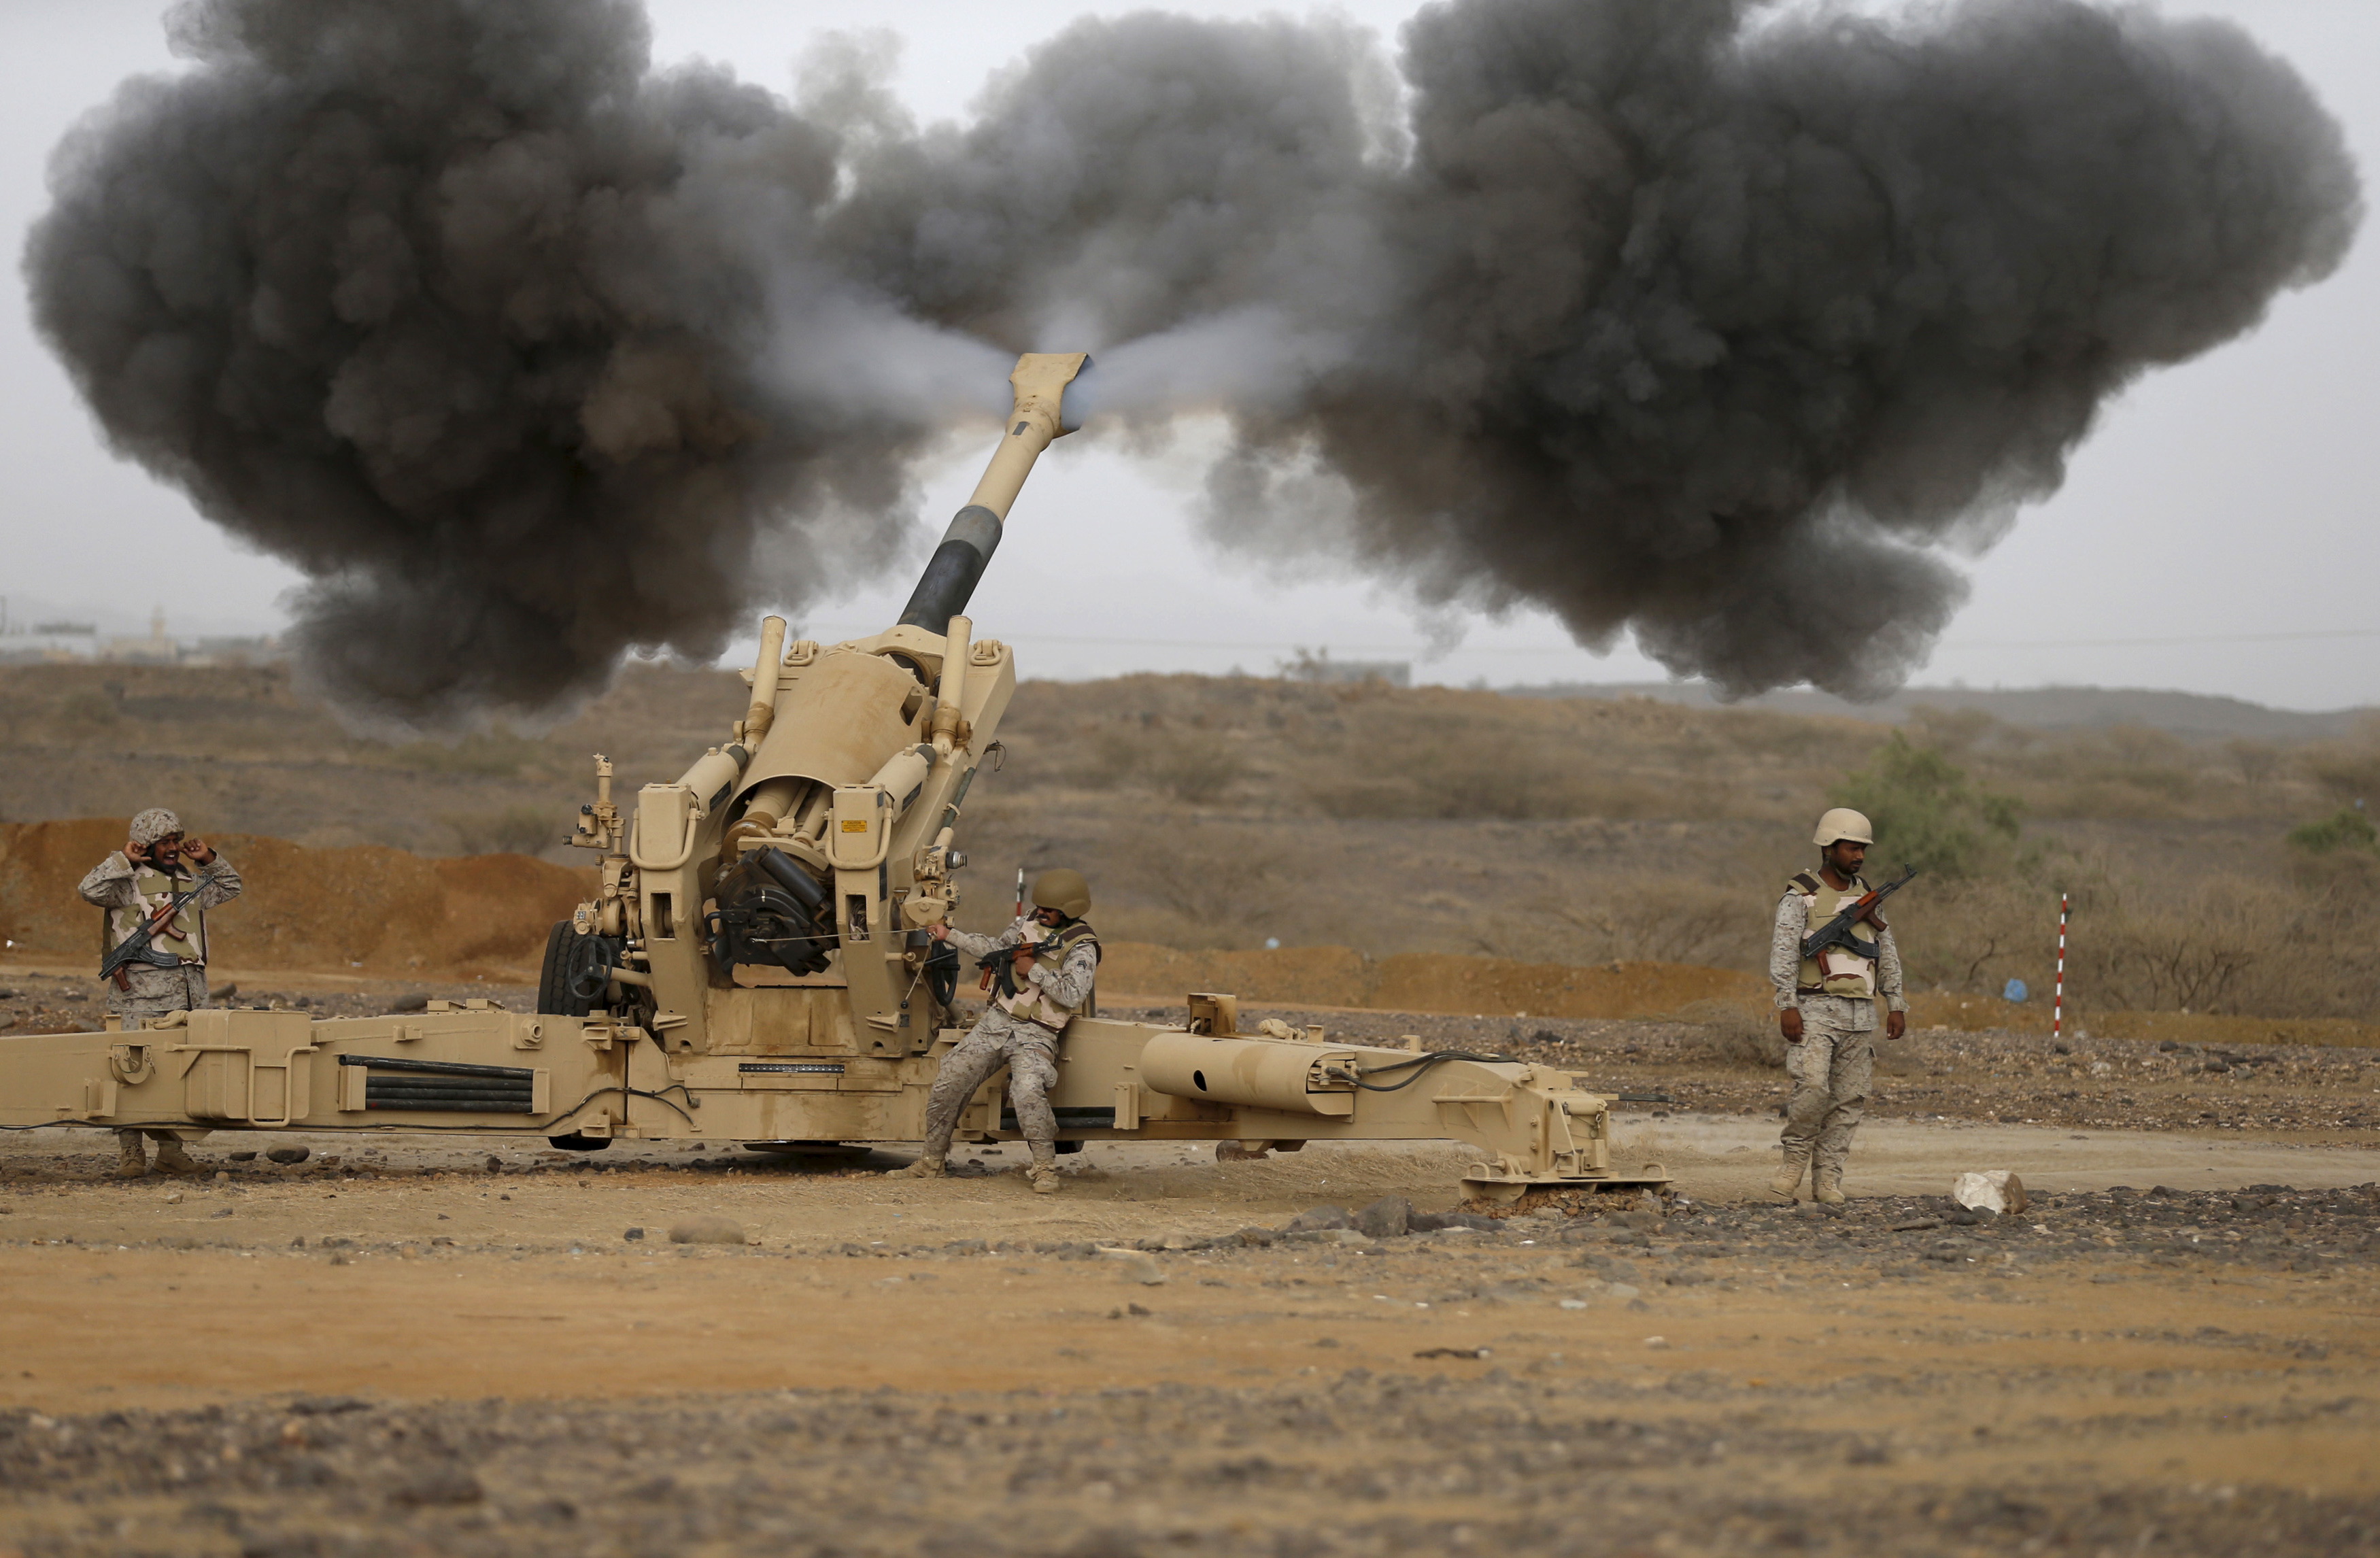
(1714, 322)
(526, 354)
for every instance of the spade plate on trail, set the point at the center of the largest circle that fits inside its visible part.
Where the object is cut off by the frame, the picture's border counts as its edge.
(1482, 1184)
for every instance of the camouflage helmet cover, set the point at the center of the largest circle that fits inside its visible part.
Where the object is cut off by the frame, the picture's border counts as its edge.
(153, 824)
(1064, 891)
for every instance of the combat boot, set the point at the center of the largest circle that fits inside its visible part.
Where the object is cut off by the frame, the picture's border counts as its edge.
(923, 1168)
(171, 1159)
(1043, 1176)
(1789, 1179)
(1827, 1187)
(132, 1155)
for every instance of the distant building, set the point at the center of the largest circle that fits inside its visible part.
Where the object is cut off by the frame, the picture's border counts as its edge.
(158, 649)
(63, 642)
(1317, 666)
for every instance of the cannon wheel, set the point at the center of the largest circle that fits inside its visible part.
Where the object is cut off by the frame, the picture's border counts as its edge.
(554, 997)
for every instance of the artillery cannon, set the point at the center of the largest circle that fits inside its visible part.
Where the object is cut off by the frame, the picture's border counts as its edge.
(754, 966)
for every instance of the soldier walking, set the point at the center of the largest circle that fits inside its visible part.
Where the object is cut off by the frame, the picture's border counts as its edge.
(132, 884)
(1033, 998)
(1826, 1008)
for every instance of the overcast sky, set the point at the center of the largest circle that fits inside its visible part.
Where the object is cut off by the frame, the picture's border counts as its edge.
(2216, 534)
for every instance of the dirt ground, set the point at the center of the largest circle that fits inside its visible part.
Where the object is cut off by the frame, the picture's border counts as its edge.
(462, 1346)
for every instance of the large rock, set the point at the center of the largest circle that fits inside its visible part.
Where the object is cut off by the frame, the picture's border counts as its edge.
(1388, 1218)
(1431, 1221)
(1133, 1265)
(1995, 1190)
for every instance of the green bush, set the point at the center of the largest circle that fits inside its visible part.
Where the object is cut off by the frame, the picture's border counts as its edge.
(2349, 828)
(1927, 813)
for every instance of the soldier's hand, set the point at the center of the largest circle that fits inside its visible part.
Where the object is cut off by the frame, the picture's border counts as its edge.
(1895, 1024)
(197, 852)
(1788, 1023)
(1023, 964)
(136, 852)
(939, 930)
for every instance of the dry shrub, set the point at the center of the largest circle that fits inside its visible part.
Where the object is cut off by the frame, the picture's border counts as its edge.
(514, 830)
(1210, 884)
(2299, 949)
(1973, 936)
(1392, 762)
(1196, 767)
(2348, 773)
(1100, 758)
(1660, 920)
(2226, 945)
(1737, 1034)
(1678, 922)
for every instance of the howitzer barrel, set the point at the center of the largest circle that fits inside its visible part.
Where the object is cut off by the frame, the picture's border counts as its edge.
(765, 671)
(1041, 417)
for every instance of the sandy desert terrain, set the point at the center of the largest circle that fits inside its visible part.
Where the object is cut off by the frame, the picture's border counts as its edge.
(407, 1344)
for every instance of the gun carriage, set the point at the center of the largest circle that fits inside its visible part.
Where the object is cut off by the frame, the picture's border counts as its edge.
(754, 965)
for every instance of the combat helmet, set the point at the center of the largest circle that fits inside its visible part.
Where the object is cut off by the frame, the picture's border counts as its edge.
(1064, 891)
(1842, 824)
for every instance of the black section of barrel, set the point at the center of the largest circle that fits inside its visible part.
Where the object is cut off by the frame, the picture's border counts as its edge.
(439, 1067)
(953, 571)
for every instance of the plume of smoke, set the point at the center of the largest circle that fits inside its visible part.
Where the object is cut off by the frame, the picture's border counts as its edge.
(1705, 320)
(1717, 332)
(528, 354)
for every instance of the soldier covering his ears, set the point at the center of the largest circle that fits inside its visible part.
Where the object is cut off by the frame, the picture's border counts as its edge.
(156, 865)
(1826, 1008)
(1038, 993)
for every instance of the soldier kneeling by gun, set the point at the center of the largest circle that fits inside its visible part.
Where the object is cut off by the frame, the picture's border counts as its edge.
(153, 895)
(1038, 973)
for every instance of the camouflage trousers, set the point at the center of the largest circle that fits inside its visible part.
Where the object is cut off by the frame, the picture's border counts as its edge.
(157, 992)
(1832, 1068)
(1030, 1053)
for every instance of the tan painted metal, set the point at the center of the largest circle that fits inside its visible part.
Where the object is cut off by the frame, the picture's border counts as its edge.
(765, 671)
(852, 762)
(1040, 380)
(950, 730)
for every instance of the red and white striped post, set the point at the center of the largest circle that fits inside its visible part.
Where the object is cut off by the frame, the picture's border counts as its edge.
(2058, 1004)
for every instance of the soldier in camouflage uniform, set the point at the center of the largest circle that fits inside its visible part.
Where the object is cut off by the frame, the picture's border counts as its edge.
(1035, 998)
(1826, 1008)
(154, 865)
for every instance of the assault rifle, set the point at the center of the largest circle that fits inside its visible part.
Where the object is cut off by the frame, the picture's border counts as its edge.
(999, 965)
(136, 947)
(1837, 931)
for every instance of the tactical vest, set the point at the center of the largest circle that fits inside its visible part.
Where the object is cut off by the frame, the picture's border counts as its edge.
(1024, 999)
(1836, 972)
(185, 937)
